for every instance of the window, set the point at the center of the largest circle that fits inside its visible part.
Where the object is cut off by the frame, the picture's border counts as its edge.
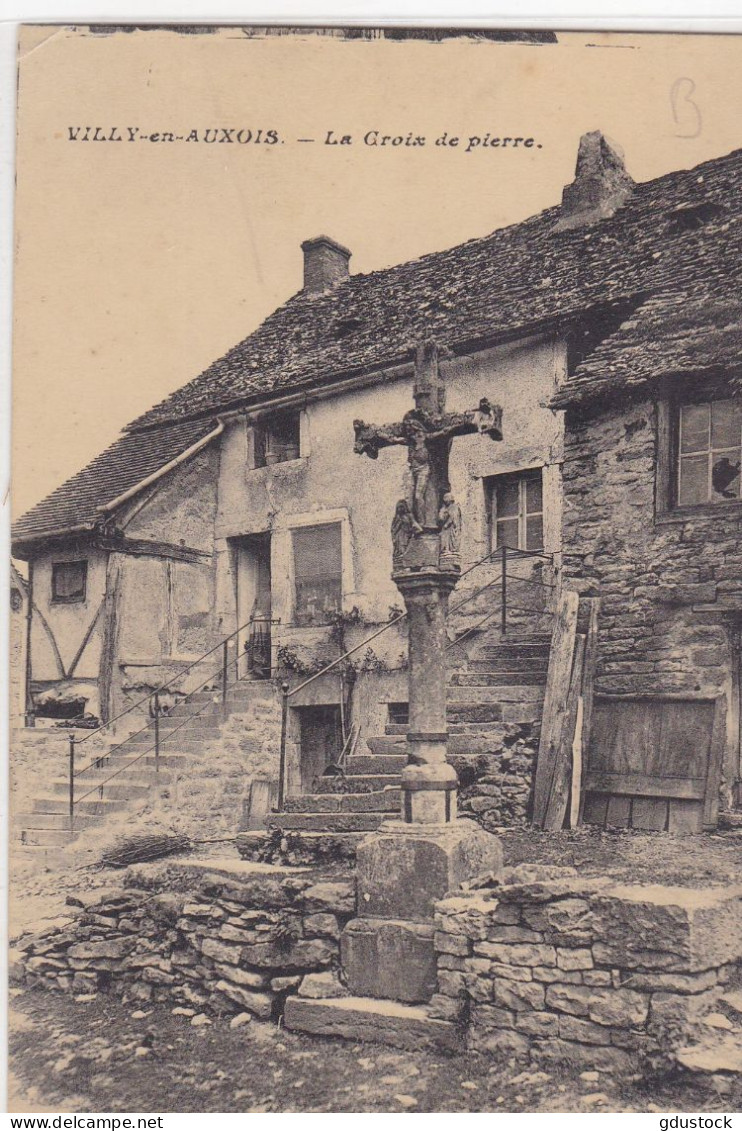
(277, 440)
(318, 581)
(69, 580)
(709, 447)
(516, 510)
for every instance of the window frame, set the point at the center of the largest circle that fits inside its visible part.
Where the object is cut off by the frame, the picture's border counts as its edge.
(297, 617)
(522, 476)
(667, 454)
(264, 428)
(76, 598)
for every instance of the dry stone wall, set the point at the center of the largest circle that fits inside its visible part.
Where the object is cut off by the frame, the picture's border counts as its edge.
(209, 938)
(576, 969)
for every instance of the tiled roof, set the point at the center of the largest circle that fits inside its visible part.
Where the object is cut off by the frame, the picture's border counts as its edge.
(126, 463)
(671, 253)
(517, 277)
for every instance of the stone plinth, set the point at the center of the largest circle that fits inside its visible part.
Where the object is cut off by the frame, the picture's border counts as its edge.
(403, 869)
(387, 959)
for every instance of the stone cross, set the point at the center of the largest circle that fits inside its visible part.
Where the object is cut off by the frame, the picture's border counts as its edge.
(428, 431)
(426, 531)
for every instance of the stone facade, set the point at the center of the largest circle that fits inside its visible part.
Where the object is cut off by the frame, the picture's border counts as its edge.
(670, 581)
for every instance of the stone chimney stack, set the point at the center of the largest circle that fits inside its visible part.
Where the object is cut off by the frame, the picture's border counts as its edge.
(600, 186)
(325, 264)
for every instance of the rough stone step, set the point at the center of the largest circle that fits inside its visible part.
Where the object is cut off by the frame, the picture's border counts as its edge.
(56, 820)
(508, 678)
(116, 790)
(516, 651)
(177, 744)
(47, 838)
(175, 730)
(520, 693)
(206, 708)
(475, 713)
(372, 1019)
(477, 679)
(363, 764)
(95, 805)
(120, 756)
(477, 696)
(359, 781)
(330, 822)
(382, 801)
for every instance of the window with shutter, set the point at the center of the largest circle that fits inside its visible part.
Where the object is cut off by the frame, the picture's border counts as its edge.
(318, 583)
(69, 581)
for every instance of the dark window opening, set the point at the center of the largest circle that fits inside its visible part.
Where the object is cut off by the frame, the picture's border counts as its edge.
(345, 326)
(709, 452)
(399, 713)
(318, 579)
(516, 511)
(277, 440)
(60, 709)
(69, 580)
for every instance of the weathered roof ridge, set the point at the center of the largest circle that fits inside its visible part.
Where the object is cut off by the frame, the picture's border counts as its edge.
(510, 277)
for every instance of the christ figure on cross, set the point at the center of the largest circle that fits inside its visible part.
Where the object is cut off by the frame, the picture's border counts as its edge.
(427, 431)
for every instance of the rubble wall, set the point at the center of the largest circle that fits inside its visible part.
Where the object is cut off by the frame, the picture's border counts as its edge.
(577, 969)
(214, 940)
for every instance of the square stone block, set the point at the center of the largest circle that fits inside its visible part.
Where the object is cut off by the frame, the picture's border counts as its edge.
(389, 959)
(668, 928)
(404, 869)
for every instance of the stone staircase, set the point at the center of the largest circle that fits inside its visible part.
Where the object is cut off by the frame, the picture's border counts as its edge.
(183, 731)
(719, 1049)
(501, 682)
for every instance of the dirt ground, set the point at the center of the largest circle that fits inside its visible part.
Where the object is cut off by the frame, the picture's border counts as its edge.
(102, 1056)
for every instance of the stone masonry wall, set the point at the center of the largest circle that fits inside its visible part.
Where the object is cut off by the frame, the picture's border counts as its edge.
(666, 581)
(216, 937)
(576, 969)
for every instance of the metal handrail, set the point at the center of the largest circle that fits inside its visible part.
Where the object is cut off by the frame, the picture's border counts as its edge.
(164, 686)
(97, 762)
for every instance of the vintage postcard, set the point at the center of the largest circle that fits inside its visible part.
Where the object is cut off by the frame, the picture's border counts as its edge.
(376, 588)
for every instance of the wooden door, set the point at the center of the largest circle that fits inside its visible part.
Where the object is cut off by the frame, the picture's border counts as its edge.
(321, 742)
(651, 764)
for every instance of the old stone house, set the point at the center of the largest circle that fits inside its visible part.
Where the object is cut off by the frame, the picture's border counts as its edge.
(607, 330)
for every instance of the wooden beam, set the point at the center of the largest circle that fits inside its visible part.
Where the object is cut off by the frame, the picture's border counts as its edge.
(716, 757)
(645, 785)
(559, 796)
(143, 547)
(559, 676)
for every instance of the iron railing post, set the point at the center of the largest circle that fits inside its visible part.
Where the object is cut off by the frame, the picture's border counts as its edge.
(282, 763)
(157, 732)
(225, 662)
(72, 783)
(504, 583)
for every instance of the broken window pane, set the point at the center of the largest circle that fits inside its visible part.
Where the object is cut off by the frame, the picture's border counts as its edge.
(725, 475)
(507, 497)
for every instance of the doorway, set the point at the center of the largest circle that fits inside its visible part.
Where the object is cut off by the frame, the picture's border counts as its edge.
(320, 741)
(253, 600)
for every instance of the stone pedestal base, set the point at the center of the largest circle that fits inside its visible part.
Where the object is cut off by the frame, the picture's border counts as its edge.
(386, 958)
(404, 869)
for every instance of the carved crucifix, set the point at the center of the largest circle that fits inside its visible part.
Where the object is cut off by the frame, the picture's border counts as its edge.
(427, 431)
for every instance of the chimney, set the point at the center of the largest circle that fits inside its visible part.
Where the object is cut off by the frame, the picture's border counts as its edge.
(600, 186)
(325, 264)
